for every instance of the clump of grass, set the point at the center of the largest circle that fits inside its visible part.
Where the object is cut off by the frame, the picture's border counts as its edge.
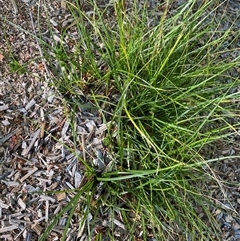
(165, 88)
(16, 67)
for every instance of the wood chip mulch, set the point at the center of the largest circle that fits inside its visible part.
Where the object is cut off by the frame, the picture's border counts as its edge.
(38, 152)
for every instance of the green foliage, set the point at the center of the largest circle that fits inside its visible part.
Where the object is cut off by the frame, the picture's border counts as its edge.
(173, 102)
(16, 67)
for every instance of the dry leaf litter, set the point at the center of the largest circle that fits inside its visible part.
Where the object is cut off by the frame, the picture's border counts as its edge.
(39, 152)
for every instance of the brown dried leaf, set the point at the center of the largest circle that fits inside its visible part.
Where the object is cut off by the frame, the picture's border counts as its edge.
(1, 57)
(61, 196)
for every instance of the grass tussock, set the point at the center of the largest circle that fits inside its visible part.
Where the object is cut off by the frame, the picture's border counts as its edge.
(167, 92)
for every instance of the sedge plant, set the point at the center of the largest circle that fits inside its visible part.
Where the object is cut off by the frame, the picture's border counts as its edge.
(168, 96)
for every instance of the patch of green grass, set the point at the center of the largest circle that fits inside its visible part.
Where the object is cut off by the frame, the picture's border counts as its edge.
(169, 99)
(16, 67)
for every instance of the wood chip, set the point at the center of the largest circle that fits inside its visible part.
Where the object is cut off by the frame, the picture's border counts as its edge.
(64, 129)
(91, 126)
(6, 237)
(8, 228)
(47, 198)
(53, 186)
(35, 136)
(3, 205)
(10, 183)
(77, 179)
(37, 229)
(1, 169)
(103, 127)
(30, 172)
(7, 137)
(3, 107)
(29, 105)
(61, 196)
(118, 223)
(63, 4)
(47, 210)
(21, 203)
(15, 7)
